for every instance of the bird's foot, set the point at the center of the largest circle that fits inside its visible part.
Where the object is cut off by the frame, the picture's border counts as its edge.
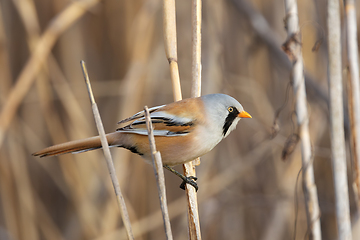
(186, 180)
(189, 180)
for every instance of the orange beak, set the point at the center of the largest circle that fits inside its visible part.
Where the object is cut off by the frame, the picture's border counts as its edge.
(244, 114)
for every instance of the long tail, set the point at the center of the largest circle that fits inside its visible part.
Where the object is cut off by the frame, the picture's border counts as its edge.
(83, 145)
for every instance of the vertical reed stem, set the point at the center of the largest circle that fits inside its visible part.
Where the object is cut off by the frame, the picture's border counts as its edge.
(353, 92)
(171, 45)
(292, 47)
(337, 121)
(189, 168)
(171, 54)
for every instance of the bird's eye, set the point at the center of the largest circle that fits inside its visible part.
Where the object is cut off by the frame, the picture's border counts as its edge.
(230, 109)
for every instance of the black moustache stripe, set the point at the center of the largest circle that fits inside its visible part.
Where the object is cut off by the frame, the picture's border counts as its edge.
(229, 120)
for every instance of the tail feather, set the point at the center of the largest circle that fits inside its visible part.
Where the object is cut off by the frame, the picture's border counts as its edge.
(77, 146)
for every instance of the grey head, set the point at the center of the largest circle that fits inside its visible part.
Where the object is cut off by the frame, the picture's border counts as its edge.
(224, 112)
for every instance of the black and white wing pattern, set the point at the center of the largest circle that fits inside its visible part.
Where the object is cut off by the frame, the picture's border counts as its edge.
(164, 124)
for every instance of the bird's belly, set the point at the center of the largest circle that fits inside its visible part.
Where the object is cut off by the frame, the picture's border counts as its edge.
(182, 149)
(176, 150)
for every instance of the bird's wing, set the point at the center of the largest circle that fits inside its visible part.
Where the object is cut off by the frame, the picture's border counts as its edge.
(164, 124)
(140, 114)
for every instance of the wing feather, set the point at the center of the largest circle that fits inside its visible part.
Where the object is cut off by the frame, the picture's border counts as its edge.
(164, 124)
(174, 119)
(139, 114)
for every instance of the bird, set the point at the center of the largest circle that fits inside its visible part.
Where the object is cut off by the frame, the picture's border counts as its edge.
(183, 131)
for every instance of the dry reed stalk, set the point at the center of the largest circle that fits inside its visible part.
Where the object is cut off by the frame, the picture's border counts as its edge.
(196, 48)
(79, 177)
(171, 45)
(292, 47)
(57, 26)
(337, 121)
(108, 158)
(353, 93)
(159, 174)
(189, 168)
(171, 54)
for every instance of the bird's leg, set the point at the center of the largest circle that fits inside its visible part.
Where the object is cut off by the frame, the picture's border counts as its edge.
(189, 180)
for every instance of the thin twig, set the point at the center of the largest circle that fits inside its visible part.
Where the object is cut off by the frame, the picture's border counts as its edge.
(337, 121)
(292, 48)
(159, 174)
(108, 158)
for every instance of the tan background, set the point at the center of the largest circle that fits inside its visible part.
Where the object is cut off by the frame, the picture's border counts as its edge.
(246, 190)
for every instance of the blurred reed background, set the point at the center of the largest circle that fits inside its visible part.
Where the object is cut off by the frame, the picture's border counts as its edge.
(246, 190)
